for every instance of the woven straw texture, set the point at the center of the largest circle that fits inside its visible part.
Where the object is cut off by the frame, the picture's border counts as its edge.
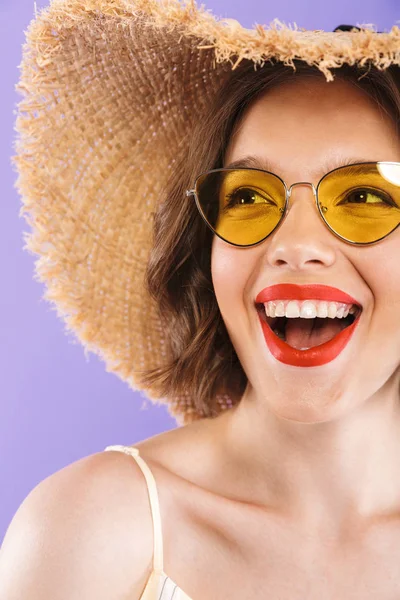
(111, 89)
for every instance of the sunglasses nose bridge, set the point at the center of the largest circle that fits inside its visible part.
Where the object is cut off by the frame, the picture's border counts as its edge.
(289, 190)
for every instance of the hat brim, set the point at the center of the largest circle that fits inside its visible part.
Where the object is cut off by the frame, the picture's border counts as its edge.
(111, 91)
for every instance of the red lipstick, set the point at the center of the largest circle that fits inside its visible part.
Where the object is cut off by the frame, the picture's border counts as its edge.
(318, 355)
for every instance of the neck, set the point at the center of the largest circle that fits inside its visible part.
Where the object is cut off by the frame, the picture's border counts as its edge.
(324, 472)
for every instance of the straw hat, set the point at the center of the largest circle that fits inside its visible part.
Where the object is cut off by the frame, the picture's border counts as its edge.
(110, 88)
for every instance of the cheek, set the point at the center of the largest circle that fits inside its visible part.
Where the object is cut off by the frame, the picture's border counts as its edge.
(380, 266)
(230, 274)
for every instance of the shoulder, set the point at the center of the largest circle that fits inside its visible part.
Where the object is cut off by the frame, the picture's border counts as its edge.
(86, 527)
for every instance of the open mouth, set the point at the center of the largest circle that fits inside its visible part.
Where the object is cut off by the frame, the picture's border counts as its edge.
(306, 333)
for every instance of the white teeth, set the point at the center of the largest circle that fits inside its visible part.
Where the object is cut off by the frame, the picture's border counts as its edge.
(280, 310)
(292, 309)
(340, 312)
(308, 309)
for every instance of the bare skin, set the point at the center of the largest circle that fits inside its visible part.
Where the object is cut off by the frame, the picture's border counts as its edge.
(295, 492)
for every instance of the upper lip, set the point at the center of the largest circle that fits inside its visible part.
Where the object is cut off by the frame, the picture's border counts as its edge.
(312, 291)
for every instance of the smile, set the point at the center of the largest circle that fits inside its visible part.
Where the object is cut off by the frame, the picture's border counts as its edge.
(318, 340)
(309, 324)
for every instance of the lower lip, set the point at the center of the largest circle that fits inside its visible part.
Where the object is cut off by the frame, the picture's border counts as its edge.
(313, 357)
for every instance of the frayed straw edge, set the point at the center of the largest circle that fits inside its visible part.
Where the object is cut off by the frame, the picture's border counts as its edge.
(226, 36)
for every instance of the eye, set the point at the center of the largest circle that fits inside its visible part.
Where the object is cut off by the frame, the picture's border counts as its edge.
(245, 196)
(368, 196)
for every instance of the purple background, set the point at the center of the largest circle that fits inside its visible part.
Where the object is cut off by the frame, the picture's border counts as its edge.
(55, 406)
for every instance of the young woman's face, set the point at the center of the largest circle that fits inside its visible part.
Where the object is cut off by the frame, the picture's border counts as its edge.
(302, 128)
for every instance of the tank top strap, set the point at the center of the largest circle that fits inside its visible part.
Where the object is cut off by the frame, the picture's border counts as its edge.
(154, 502)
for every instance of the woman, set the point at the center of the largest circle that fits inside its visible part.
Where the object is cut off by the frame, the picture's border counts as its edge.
(283, 482)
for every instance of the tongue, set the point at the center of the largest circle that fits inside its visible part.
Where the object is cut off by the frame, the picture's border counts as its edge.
(306, 333)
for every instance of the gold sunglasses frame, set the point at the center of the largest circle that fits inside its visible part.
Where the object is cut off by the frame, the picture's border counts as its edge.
(288, 192)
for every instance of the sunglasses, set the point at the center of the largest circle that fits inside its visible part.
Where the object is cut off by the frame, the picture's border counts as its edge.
(359, 203)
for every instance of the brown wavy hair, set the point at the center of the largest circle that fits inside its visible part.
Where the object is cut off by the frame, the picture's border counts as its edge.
(202, 361)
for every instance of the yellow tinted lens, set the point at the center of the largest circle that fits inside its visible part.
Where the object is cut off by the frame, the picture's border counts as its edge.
(243, 206)
(361, 203)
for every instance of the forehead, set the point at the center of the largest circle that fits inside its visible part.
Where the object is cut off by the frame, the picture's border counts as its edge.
(314, 98)
(314, 126)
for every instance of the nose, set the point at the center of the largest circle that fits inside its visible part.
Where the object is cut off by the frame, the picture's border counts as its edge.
(300, 241)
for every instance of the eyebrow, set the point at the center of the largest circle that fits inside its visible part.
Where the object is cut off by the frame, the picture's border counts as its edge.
(256, 162)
